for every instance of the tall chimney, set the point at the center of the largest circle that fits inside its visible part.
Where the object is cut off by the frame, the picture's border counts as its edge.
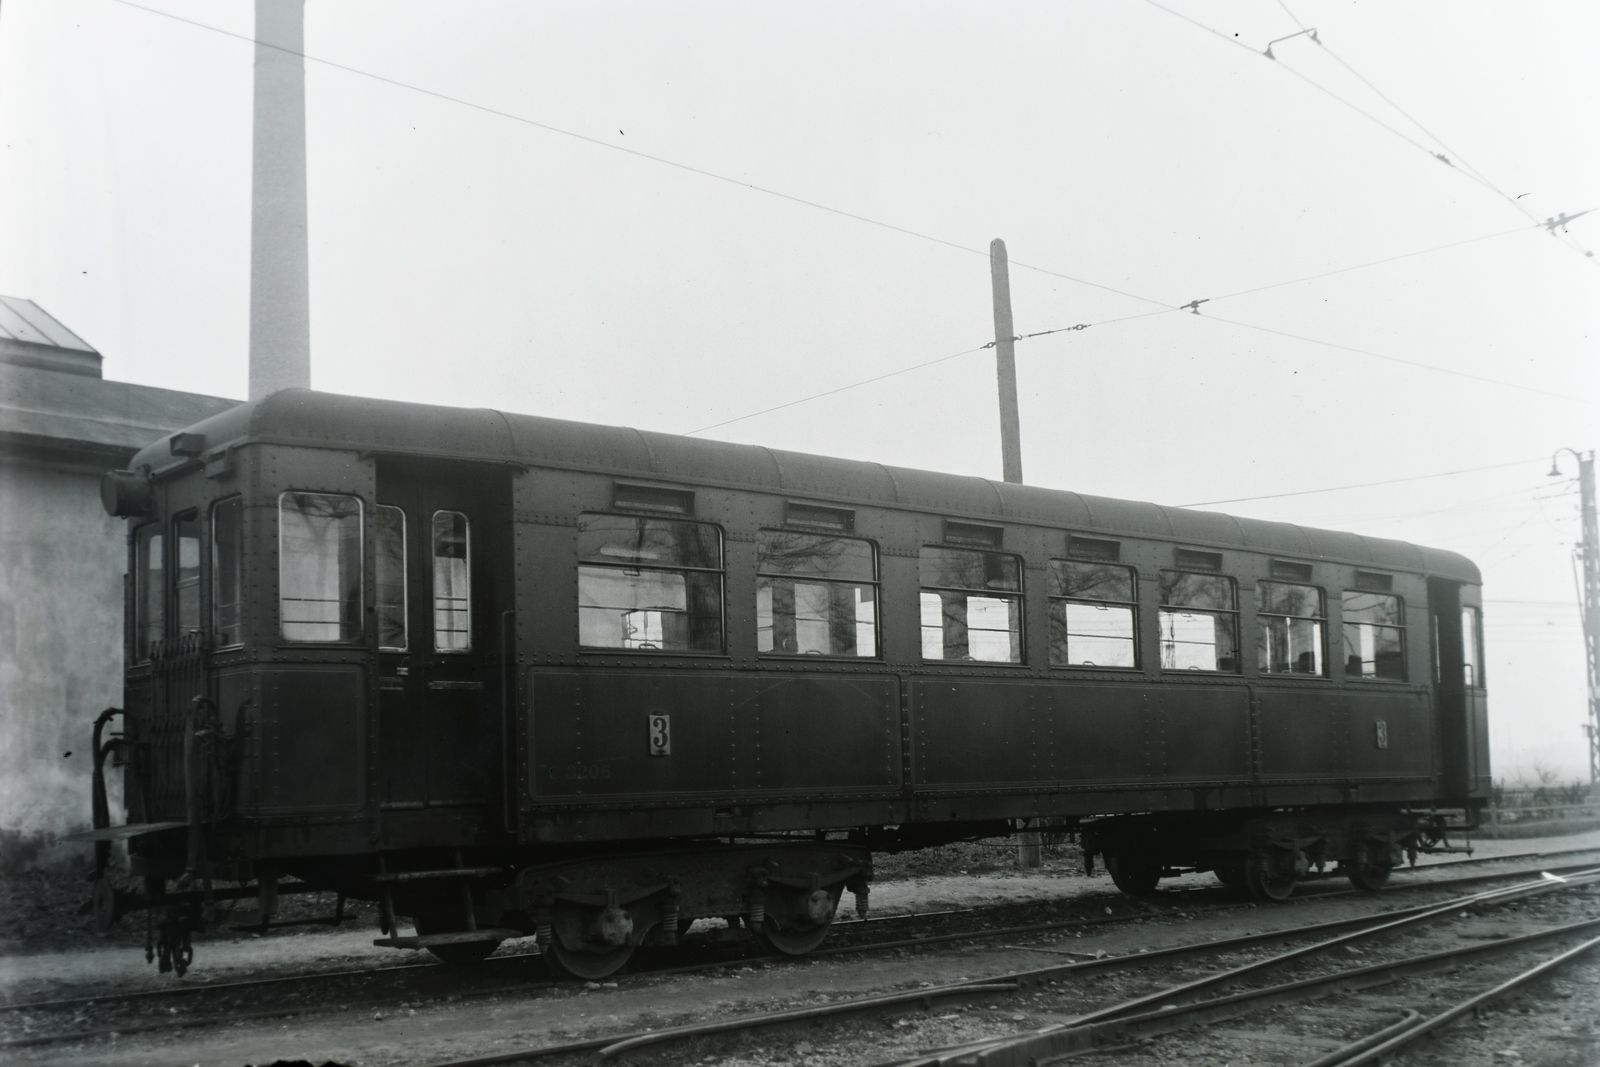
(280, 288)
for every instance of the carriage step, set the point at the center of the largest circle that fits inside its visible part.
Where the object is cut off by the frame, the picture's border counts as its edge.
(464, 937)
(453, 872)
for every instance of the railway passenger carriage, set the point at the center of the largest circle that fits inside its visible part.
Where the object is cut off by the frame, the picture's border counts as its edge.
(512, 675)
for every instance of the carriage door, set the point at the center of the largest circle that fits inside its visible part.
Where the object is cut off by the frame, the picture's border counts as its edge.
(442, 541)
(1455, 677)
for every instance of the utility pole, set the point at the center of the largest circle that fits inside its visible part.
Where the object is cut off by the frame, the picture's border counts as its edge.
(1587, 558)
(1005, 354)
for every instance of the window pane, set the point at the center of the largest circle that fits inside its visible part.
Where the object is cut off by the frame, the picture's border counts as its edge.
(1381, 608)
(629, 607)
(1471, 648)
(651, 542)
(1280, 598)
(150, 591)
(814, 556)
(971, 628)
(389, 542)
(1198, 641)
(1182, 589)
(1374, 651)
(815, 618)
(319, 567)
(1091, 581)
(186, 579)
(961, 568)
(227, 571)
(1091, 635)
(452, 582)
(1290, 646)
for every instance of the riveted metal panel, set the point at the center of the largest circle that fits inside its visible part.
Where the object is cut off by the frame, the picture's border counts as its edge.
(313, 732)
(1303, 733)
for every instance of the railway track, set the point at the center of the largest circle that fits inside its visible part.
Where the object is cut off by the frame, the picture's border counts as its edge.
(335, 1004)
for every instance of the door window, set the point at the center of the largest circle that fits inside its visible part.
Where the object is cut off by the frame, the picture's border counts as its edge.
(389, 544)
(149, 592)
(186, 576)
(452, 582)
(227, 571)
(1471, 648)
(319, 567)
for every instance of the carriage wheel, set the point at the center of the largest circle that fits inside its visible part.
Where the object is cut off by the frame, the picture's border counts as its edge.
(1267, 880)
(1134, 874)
(589, 964)
(795, 942)
(1367, 877)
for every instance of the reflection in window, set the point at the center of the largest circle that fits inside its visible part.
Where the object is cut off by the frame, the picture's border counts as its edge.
(652, 584)
(1292, 618)
(150, 591)
(815, 595)
(227, 571)
(389, 543)
(971, 606)
(452, 582)
(319, 567)
(1199, 622)
(186, 579)
(1374, 636)
(1092, 614)
(1471, 648)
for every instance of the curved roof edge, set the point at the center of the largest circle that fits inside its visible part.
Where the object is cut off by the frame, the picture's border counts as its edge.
(330, 420)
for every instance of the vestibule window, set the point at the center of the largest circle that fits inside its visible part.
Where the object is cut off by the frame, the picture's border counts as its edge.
(1092, 615)
(1471, 648)
(1374, 636)
(319, 567)
(186, 577)
(651, 584)
(227, 571)
(452, 582)
(1199, 622)
(816, 595)
(971, 606)
(389, 543)
(149, 591)
(1292, 618)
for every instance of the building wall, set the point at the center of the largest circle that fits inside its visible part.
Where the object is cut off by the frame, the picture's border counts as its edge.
(62, 560)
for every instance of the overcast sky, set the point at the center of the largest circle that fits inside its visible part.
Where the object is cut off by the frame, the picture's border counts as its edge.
(464, 257)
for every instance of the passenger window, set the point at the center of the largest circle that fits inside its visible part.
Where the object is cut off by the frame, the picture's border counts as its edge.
(1292, 620)
(389, 543)
(971, 606)
(1374, 636)
(186, 578)
(1199, 623)
(1471, 648)
(1092, 615)
(452, 582)
(816, 595)
(149, 592)
(319, 567)
(227, 571)
(649, 584)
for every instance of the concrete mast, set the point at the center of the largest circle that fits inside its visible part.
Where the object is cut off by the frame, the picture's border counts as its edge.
(1005, 363)
(280, 287)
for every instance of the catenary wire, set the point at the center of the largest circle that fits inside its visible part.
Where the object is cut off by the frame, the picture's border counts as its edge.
(486, 109)
(1367, 485)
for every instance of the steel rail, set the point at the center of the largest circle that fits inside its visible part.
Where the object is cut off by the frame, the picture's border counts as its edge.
(1033, 977)
(1094, 1033)
(1371, 1049)
(935, 939)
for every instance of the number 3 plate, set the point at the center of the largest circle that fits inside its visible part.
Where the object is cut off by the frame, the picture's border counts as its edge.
(660, 735)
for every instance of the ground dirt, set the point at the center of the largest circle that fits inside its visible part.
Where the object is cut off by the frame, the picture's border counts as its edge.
(50, 957)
